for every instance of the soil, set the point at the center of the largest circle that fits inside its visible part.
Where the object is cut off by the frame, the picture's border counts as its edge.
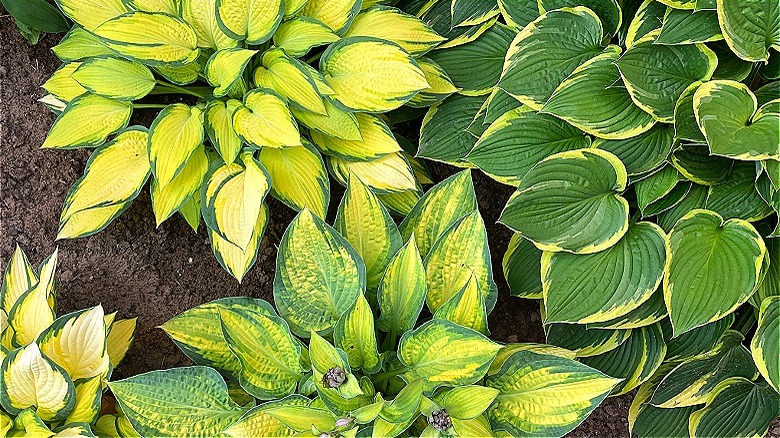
(139, 270)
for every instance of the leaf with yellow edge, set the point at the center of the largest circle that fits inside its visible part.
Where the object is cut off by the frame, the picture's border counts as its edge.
(402, 291)
(336, 14)
(354, 334)
(368, 227)
(79, 44)
(181, 75)
(584, 341)
(298, 177)
(466, 308)
(764, 347)
(74, 430)
(288, 77)
(439, 85)
(265, 120)
(120, 335)
(232, 258)
(300, 34)
(88, 394)
(93, 14)
(258, 422)
(6, 423)
(233, 199)
(219, 127)
(167, 6)
(202, 16)
(114, 176)
(388, 23)
(377, 141)
(18, 278)
(384, 81)
(387, 174)
(169, 198)
(401, 203)
(30, 380)
(32, 313)
(225, 67)
(509, 349)
(336, 122)
(115, 78)
(62, 85)
(543, 395)
(252, 20)
(173, 137)
(152, 38)
(77, 343)
(87, 121)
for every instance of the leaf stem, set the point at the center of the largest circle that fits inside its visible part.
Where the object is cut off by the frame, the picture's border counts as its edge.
(182, 90)
(381, 377)
(149, 105)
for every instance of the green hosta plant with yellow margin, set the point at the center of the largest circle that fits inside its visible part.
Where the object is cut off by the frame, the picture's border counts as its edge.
(258, 97)
(643, 138)
(54, 370)
(348, 349)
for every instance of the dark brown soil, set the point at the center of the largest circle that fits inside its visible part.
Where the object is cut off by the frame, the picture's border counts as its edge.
(154, 273)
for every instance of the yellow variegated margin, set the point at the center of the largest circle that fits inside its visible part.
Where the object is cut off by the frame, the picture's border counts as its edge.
(87, 121)
(225, 67)
(265, 120)
(250, 20)
(387, 23)
(336, 14)
(298, 177)
(33, 313)
(77, 343)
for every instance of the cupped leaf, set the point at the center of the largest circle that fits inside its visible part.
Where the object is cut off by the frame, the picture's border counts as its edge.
(750, 27)
(18, 277)
(120, 335)
(737, 407)
(288, 77)
(402, 291)
(233, 259)
(389, 174)
(649, 17)
(77, 343)
(252, 20)
(218, 121)
(298, 177)
(32, 312)
(336, 123)
(387, 23)
(170, 198)
(608, 11)
(466, 308)
(763, 346)
(115, 78)
(173, 137)
(265, 120)
(62, 85)
(225, 67)
(87, 121)
(376, 140)
(653, 188)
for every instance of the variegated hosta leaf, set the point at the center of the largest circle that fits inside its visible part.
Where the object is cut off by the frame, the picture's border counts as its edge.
(32, 312)
(167, 199)
(645, 60)
(460, 252)
(648, 421)
(444, 353)
(648, 17)
(298, 177)
(575, 292)
(198, 332)
(469, 13)
(468, 402)
(737, 407)
(304, 418)
(325, 356)
(288, 77)
(173, 137)
(737, 197)
(401, 203)
(152, 38)
(181, 75)
(115, 78)
(608, 11)
(92, 15)
(376, 141)
(218, 120)
(763, 346)
(269, 355)
(522, 267)
(252, 20)
(585, 342)
(733, 124)
(644, 152)
(88, 394)
(519, 139)
(77, 343)
(87, 121)
(545, 52)
(750, 27)
(30, 379)
(387, 23)
(655, 187)
(179, 401)
(383, 80)
(318, 275)
(167, 6)
(233, 259)
(685, 125)
(712, 267)
(509, 349)
(202, 16)
(439, 208)
(62, 85)
(543, 395)
(440, 16)
(18, 277)
(439, 84)
(28, 423)
(300, 34)
(368, 227)
(225, 68)
(79, 44)
(389, 174)
(610, 113)
(336, 14)
(120, 335)
(570, 202)
(402, 290)
(518, 13)
(466, 308)
(265, 120)
(444, 133)
(686, 27)
(258, 422)
(354, 334)
(697, 342)
(336, 123)
(650, 312)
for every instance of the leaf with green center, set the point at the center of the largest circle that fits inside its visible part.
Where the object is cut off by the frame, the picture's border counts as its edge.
(402, 290)
(685, 125)
(522, 267)
(751, 27)
(737, 197)
(654, 187)
(518, 13)
(770, 287)
(470, 12)
(648, 18)
(648, 421)
(570, 202)
(696, 198)
(608, 11)
(695, 163)
(650, 312)
(730, 66)
(644, 152)
(252, 20)
(687, 27)
(585, 342)
(736, 408)
(443, 135)
(694, 343)
(354, 334)
(764, 346)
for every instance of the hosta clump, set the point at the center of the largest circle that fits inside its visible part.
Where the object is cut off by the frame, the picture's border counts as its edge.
(348, 349)
(54, 370)
(644, 142)
(272, 85)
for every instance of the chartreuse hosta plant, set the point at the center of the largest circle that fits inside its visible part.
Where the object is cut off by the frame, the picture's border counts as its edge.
(644, 142)
(348, 350)
(269, 87)
(54, 370)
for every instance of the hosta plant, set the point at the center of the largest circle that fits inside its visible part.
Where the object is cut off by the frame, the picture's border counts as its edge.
(252, 94)
(376, 331)
(644, 142)
(54, 370)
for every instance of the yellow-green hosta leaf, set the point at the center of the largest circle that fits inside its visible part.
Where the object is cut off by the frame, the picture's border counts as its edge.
(225, 68)
(438, 209)
(92, 14)
(202, 16)
(404, 407)
(298, 177)
(88, 394)
(269, 355)
(190, 401)
(28, 423)
(439, 84)
(466, 307)
(152, 38)
(304, 418)
(62, 85)
(120, 335)
(190, 211)
(167, 6)
(336, 14)
(115, 78)
(366, 224)
(388, 23)
(522, 268)
(574, 292)
(444, 353)
(169, 198)
(32, 312)
(6, 423)
(219, 127)
(77, 343)
(460, 252)
(543, 395)
(354, 334)
(383, 81)
(509, 349)
(468, 402)
(181, 75)
(265, 120)
(387, 174)
(402, 291)
(737, 407)
(258, 422)
(401, 203)
(763, 346)
(113, 177)
(288, 77)
(315, 286)
(750, 27)
(584, 341)
(233, 259)
(571, 202)
(87, 121)
(377, 141)
(79, 44)
(18, 277)
(30, 380)
(336, 122)
(300, 34)
(252, 20)
(712, 267)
